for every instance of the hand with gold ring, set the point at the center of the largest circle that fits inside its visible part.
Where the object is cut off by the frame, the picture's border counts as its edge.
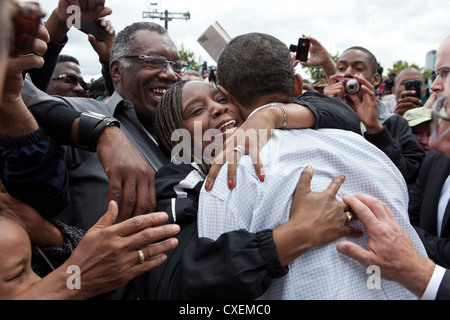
(107, 253)
(316, 218)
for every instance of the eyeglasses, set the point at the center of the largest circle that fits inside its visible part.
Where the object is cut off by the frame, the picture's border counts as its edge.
(440, 113)
(160, 62)
(443, 73)
(71, 80)
(26, 20)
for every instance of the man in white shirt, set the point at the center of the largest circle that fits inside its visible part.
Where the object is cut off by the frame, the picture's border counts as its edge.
(255, 70)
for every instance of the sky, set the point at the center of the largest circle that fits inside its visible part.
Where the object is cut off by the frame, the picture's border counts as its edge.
(392, 30)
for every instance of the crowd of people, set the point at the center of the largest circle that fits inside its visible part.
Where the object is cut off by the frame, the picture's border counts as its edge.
(118, 189)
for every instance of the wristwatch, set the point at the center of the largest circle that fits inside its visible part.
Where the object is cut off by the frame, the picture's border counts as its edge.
(91, 126)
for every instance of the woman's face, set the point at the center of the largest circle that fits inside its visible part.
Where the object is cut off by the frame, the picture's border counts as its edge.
(206, 110)
(16, 275)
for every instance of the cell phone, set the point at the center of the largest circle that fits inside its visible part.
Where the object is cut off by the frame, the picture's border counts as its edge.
(416, 86)
(95, 28)
(303, 49)
(293, 48)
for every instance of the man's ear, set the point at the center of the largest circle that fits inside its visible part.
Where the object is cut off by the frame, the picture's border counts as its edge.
(226, 93)
(376, 79)
(393, 90)
(116, 71)
(298, 85)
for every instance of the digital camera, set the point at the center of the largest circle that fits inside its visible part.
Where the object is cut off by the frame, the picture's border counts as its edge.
(352, 86)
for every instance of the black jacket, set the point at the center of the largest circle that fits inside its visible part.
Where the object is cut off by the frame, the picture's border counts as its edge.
(239, 265)
(423, 207)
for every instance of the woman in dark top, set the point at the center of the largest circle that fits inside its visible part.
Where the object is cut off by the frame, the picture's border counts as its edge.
(239, 265)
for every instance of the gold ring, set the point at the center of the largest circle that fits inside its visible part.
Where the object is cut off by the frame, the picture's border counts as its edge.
(349, 216)
(141, 256)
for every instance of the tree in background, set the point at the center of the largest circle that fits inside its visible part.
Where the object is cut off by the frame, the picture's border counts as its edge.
(315, 73)
(401, 65)
(189, 56)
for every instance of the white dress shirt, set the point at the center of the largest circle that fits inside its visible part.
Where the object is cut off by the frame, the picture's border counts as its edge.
(321, 273)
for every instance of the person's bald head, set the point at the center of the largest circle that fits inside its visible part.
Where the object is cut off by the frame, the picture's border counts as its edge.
(408, 74)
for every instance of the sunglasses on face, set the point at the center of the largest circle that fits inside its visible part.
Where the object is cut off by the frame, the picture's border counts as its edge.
(26, 20)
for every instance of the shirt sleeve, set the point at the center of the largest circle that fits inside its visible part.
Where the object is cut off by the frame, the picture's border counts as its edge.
(434, 284)
(400, 145)
(51, 113)
(46, 259)
(331, 113)
(33, 172)
(238, 265)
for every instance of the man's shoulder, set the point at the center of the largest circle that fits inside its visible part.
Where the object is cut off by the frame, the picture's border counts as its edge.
(316, 98)
(436, 159)
(33, 96)
(337, 134)
(85, 104)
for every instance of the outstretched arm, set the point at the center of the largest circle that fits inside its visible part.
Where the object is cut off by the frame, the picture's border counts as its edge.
(108, 258)
(389, 246)
(203, 268)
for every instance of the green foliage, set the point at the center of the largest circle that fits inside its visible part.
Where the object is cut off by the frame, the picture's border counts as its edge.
(402, 65)
(189, 56)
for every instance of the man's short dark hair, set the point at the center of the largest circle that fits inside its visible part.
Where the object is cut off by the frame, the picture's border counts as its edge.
(372, 59)
(67, 58)
(254, 65)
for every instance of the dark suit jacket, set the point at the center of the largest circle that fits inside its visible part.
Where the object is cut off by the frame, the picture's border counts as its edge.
(423, 207)
(444, 289)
